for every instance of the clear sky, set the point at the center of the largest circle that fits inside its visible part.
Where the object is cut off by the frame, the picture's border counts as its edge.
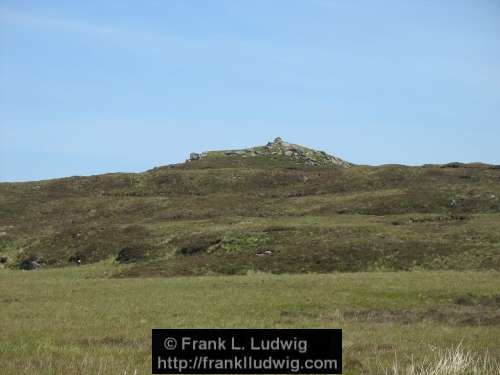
(88, 87)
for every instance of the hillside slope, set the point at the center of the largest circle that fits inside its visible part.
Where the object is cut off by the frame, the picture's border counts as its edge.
(272, 210)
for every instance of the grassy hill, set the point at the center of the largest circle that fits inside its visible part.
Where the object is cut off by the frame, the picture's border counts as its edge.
(277, 208)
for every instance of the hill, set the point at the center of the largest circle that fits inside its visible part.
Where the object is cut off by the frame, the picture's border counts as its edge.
(276, 208)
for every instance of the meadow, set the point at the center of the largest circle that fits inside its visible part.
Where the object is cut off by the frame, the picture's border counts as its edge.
(81, 320)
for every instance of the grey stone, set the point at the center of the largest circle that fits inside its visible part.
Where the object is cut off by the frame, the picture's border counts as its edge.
(194, 156)
(264, 253)
(280, 147)
(29, 265)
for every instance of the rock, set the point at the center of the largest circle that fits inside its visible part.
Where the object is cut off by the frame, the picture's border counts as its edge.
(264, 253)
(310, 161)
(29, 264)
(4, 259)
(194, 156)
(279, 147)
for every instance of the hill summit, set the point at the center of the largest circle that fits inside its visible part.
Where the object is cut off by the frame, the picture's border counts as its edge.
(278, 148)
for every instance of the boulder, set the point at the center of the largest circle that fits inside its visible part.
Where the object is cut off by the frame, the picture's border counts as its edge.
(194, 156)
(29, 264)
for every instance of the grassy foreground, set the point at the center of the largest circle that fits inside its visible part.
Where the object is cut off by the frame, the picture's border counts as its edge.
(79, 321)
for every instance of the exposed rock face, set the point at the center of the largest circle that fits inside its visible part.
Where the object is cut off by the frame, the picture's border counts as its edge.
(194, 156)
(279, 147)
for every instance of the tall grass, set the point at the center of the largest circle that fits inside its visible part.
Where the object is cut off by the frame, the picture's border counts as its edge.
(85, 366)
(450, 361)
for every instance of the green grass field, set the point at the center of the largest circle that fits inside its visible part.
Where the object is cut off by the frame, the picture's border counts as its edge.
(78, 320)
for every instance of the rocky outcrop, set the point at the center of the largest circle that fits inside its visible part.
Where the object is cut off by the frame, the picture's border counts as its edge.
(194, 156)
(279, 147)
(307, 155)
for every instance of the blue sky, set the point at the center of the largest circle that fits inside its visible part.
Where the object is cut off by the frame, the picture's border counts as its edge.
(106, 86)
